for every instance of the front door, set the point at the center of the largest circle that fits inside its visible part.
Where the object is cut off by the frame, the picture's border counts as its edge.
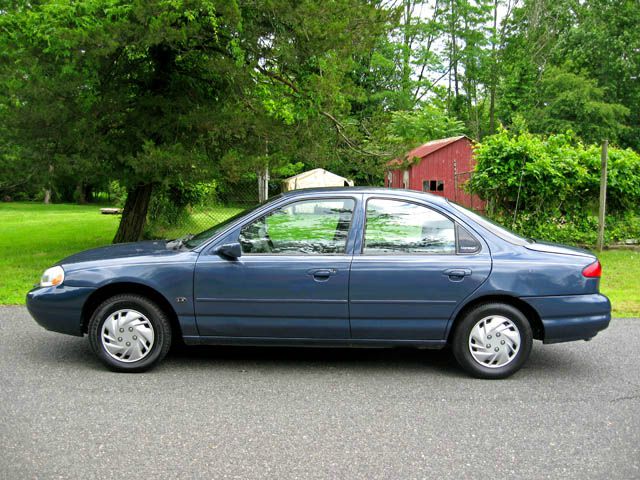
(411, 273)
(290, 282)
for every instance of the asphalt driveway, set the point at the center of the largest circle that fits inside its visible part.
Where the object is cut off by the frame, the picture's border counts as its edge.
(572, 412)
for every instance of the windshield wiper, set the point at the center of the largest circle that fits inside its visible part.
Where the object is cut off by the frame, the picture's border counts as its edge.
(178, 243)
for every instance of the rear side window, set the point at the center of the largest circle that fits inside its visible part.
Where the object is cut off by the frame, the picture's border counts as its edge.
(397, 227)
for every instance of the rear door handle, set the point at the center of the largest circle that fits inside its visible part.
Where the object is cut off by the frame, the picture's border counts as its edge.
(321, 273)
(457, 273)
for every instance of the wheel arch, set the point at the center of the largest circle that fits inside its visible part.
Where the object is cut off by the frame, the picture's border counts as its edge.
(527, 310)
(109, 290)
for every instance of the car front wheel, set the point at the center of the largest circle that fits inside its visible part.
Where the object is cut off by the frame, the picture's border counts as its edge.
(129, 333)
(492, 341)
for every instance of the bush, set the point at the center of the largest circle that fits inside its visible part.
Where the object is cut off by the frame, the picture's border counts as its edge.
(574, 229)
(555, 182)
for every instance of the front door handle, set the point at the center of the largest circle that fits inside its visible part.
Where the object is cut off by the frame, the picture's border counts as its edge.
(321, 274)
(457, 273)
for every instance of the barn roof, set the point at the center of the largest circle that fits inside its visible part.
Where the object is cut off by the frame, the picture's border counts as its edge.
(428, 148)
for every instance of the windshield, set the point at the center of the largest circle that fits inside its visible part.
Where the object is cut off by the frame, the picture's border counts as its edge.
(200, 238)
(493, 227)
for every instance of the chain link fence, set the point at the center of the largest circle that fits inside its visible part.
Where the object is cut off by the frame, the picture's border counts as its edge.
(168, 221)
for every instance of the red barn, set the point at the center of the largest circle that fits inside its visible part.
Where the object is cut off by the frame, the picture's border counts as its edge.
(442, 168)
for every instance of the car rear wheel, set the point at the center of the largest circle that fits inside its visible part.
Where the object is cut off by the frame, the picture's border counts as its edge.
(492, 341)
(129, 333)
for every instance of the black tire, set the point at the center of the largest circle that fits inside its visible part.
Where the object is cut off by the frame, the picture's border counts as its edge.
(156, 316)
(462, 350)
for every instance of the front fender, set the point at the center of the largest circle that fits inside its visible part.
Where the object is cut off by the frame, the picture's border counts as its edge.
(173, 279)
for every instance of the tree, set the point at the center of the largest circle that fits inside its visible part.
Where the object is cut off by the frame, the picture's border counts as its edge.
(575, 65)
(604, 45)
(567, 101)
(157, 92)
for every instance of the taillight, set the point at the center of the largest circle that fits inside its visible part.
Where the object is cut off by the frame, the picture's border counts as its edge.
(593, 271)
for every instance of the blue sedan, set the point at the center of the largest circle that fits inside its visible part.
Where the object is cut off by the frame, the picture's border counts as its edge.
(359, 267)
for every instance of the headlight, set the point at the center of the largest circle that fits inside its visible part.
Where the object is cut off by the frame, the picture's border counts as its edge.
(52, 276)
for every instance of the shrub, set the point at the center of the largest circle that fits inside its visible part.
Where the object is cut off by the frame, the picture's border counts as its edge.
(555, 182)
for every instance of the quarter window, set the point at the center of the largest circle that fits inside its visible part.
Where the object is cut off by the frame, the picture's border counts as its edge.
(467, 242)
(400, 227)
(308, 227)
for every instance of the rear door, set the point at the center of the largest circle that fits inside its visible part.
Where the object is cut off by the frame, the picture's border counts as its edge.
(292, 278)
(414, 267)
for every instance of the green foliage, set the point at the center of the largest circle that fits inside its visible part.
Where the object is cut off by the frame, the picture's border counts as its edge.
(568, 64)
(554, 182)
(574, 228)
(407, 129)
(567, 101)
(170, 206)
(117, 193)
(154, 94)
(604, 44)
(554, 173)
(160, 95)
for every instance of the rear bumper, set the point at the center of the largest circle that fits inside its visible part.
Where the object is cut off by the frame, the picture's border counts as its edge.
(572, 317)
(58, 309)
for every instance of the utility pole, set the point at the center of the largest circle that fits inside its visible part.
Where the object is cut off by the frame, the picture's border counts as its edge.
(603, 194)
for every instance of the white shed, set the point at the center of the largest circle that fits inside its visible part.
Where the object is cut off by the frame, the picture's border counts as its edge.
(318, 177)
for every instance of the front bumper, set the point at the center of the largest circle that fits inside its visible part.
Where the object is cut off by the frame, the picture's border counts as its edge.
(571, 317)
(59, 309)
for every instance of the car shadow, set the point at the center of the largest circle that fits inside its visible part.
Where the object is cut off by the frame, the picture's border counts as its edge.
(346, 359)
(73, 352)
(53, 350)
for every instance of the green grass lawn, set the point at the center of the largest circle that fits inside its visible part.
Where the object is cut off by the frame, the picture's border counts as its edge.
(621, 281)
(34, 236)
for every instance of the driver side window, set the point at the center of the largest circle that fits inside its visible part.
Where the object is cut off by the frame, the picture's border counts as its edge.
(307, 227)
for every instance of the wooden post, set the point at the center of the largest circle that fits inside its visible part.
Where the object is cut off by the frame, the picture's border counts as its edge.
(603, 194)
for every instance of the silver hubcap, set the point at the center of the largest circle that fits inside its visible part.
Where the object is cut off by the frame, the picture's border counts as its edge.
(494, 341)
(127, 335)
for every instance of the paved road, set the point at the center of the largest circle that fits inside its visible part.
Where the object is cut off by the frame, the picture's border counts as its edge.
(573, 412)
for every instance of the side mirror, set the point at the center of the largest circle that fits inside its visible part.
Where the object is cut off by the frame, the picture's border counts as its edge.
(229, 250)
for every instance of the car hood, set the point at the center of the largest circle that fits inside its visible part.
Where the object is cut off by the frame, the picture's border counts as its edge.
(547, 247)
(122, 250)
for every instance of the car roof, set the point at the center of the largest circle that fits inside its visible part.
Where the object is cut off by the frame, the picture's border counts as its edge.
(369, 190)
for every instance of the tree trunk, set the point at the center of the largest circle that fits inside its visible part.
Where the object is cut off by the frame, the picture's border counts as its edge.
(80, 194)
(47, 191)
(406, 56)
(494, 63)
(134, 215)
(263, 184)
(454, 47)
